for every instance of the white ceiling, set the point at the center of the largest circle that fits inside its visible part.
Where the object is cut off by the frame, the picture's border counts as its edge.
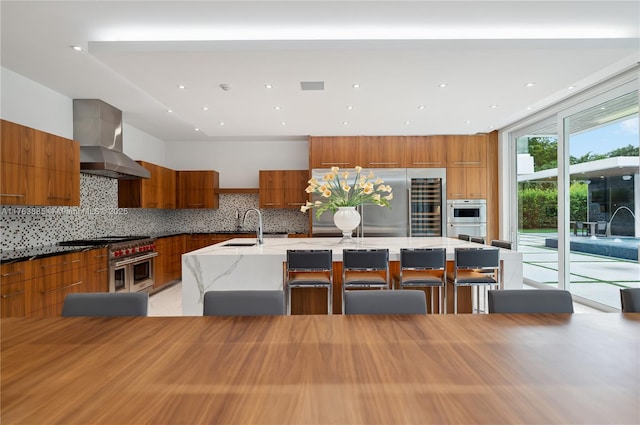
(137, 53)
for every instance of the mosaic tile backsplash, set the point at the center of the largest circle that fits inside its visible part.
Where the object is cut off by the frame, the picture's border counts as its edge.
(99, 215)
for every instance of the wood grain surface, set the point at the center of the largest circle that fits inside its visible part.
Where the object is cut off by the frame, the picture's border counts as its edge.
(316, 369)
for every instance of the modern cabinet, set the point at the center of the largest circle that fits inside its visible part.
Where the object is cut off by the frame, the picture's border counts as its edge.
(327, 152)
(426, 152)
(200, 240)
(466, 151)
(168, 264)
(38, 287)
(38, 168)
(381, 151)
(283, 188)
(466, 183)
(158, 191)
(198, 189)
(96, 270)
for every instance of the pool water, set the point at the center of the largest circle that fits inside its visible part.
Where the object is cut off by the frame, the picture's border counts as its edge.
(624, 247)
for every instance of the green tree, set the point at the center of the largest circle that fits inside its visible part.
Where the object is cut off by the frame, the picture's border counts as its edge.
(544, 151)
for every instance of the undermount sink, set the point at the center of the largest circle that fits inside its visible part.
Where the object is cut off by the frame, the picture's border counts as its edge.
(240, 244)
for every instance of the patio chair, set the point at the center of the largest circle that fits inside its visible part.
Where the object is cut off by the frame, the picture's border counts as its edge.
(579, 226)
(601, 228)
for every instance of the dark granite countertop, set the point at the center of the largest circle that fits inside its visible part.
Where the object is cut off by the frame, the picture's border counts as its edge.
(32, 253)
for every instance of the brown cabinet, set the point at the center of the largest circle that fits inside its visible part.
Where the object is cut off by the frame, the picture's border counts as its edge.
(426, 152)
(381, 151)
(283, 188)
(38, 168)
(466, 183)
(198, 189)
(13, 288)
(54, 278)
(96, 270)
(158, 191)
(327, 152)
(38, 287)
(467, 151)
(168, 264)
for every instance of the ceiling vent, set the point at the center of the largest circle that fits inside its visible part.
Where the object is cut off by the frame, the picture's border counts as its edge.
(312, 85)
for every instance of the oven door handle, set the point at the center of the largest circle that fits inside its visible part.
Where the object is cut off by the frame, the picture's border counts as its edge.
(136, 259)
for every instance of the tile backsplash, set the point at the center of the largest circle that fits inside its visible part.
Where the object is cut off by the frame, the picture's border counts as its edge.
(99, 215)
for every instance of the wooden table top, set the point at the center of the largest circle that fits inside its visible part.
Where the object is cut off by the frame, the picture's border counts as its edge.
(471, 369)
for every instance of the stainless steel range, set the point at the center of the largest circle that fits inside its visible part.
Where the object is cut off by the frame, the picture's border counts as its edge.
(131, 261)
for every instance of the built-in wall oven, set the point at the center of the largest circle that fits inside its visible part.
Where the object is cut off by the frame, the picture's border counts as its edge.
(131, 261)
(467, 216)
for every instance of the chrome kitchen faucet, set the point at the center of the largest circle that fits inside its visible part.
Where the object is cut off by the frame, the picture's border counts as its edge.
(259, 229)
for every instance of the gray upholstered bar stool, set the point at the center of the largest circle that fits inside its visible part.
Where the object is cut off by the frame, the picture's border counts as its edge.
(424, 267)
(364, 268)
(312, 268)
(475, 267)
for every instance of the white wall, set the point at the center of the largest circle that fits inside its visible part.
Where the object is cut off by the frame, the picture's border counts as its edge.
(238, 162)
(142, 146)
(26, 102)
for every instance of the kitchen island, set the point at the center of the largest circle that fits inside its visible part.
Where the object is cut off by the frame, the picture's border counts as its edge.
(234, 265)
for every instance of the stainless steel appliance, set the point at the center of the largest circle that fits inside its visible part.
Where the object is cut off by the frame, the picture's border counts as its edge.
(467, 216)
(416, 207)
(131, 261)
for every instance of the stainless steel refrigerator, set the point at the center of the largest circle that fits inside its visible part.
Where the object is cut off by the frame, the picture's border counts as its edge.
(416, 207)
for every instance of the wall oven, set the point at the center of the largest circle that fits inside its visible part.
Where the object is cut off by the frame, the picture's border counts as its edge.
(467, 216)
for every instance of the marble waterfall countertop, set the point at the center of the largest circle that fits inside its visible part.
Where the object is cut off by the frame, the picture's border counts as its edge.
(226, 267)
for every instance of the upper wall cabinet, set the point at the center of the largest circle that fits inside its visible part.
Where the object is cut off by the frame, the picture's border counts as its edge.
(283, 188)
(327, 152)
(381, 151)
(38, 168)
(467, 151)
(158, 191)
(198, 189)
(426, 152)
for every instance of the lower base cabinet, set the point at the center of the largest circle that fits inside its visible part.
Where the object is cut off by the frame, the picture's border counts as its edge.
(168, 264)
(39, 287)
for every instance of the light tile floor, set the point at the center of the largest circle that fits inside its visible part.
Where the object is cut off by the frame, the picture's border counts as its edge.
(593, 277)
(168, 302)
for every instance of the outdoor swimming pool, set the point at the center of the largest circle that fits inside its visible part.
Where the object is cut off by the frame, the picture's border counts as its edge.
(624, 247)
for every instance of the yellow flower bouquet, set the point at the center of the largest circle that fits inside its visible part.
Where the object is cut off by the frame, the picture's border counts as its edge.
(338, 192)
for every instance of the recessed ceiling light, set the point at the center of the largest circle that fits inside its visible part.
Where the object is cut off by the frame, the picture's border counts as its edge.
(490, 127)
(467, 122)
(268, 86)
(169, 110)
(602, 108)
(283, 123)
(277, 108)
(356, 85)
(77, 48)
(349, 107)
(571, 87)
(529, 108)
(204, 108)
(345, 122)
(493, 106)
(182, 86)
(197, 129)
(421, 107)
(220, 123)
(441, 85)
(407, 122)
(530, 84)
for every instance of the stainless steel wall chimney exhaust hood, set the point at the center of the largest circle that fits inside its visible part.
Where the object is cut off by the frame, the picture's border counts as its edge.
(98, 127)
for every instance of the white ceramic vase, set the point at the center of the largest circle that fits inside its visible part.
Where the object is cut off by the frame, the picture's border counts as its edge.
(346, 219)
